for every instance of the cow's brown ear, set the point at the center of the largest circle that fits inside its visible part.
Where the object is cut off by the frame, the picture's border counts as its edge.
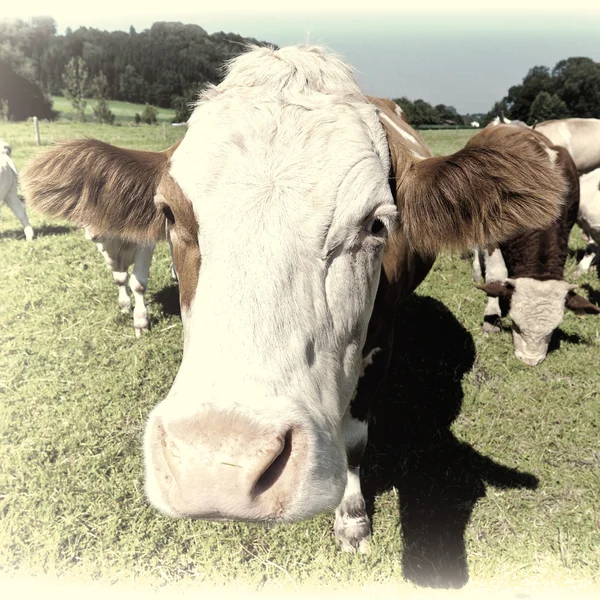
(91, 183)
(580, 305)
(497, 289)
(495, 187)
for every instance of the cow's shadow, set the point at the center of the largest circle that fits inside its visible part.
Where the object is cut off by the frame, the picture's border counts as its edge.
(43, 231)
(168, 300)
(439, 479)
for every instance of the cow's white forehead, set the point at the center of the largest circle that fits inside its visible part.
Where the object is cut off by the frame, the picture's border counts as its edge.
(538, 306)
(275, 144)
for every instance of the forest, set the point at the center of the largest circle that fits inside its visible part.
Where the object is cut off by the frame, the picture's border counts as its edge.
(162, 66)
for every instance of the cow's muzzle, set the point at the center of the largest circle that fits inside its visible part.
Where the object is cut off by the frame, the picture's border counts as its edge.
(222, 465)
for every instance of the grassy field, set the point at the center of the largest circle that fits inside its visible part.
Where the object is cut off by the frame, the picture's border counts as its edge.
(481, 473)
(124, 111)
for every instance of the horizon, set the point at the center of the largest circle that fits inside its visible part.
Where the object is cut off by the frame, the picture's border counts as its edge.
(451, 53)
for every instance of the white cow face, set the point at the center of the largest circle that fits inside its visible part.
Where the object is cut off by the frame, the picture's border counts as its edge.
(537, 308)
(293, 207)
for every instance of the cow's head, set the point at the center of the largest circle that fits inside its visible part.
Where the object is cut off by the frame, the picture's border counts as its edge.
(537, 308)
(280, 206)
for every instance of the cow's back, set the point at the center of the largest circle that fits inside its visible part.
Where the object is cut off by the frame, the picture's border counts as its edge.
(581, 137)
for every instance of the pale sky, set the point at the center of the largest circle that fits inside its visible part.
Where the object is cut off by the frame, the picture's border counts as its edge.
(462, 53)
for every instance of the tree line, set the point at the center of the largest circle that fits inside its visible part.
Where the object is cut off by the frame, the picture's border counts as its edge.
(168, 63)
(570, 89)
(164, 65)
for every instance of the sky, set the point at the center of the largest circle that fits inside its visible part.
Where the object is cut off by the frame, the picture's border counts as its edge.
(462, 53)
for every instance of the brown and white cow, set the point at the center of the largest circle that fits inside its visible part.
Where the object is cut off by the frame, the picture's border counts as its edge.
(589, 218)
(9, 182)
(300, 214)
(528, 269)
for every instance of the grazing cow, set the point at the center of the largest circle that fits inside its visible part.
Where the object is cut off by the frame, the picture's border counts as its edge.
(300, 215)
(581, 137)
(589, 217)
(9, 180)
(528, 269)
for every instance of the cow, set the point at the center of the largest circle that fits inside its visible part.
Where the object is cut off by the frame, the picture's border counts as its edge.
(527, 270)
(391, 105)
(301, 214)
(9, 181)
(589, 218)
(581, 137)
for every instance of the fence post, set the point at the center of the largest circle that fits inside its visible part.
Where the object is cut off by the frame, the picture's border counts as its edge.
(36, 127)
(165, 130)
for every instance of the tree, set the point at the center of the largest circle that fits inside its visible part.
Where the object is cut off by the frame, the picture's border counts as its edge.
(578, 86)
(521, 97)
(424, 113)
(448, 113)
(547, 106)
(132, 86)
(102, 112)
(22, 98)
(183, 106)
(418, 112)
(149, 114)
(75, 78)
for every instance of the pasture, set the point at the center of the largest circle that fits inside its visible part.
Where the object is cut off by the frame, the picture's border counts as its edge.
(481, 473)
(124, 111)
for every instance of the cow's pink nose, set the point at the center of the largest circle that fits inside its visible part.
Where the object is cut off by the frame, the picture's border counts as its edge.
(222, 466)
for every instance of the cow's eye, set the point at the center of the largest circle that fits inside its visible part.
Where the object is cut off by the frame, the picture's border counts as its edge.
(375, 226)
(168, 213)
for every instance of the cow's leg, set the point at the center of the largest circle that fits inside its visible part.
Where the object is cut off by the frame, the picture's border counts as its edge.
(352, 525)
(118, 257)
(121, 279)
(14, 203)
(591, 252)
(138, 283)
(477, 265)
(495, 271)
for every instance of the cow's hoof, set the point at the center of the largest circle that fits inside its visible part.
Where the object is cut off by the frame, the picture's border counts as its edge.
(140, 330)
(491, 324)
(352, 526)
(28, 231)
(141, 324)
(125, 306)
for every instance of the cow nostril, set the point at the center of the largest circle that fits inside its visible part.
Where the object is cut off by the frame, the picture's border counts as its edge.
(272, 473)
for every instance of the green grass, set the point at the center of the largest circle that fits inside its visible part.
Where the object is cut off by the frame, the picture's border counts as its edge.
(124, 111)
(482, 472)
